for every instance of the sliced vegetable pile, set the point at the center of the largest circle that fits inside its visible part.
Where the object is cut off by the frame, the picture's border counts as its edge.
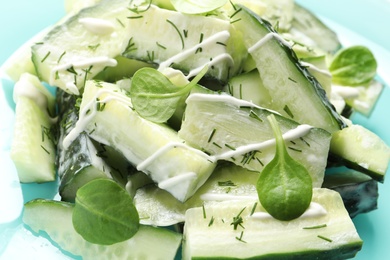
(221, 126)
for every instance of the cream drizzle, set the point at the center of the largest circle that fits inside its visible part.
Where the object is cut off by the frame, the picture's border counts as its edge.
(27, 89)
(24, 88)
(346, 92)
(265, 39)
(223, 197)
(97, 26)
(315, 210)
(222, 36)
(226, 99)
(311, 66)
(169, 146)
(175, 180)
(85, 63)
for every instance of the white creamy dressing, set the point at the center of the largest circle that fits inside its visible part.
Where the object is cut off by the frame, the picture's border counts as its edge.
(222, 36)
(315, 210)
(80, 64)
(346, 92)
(265, 39)
(225, 196)
(24, 88)
(27, 89)
(169, 146)
(97, 25)
(311, 66)
(176, 180)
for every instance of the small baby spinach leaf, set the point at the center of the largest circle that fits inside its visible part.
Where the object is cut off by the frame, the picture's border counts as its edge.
(284, 186)
(353, 66)
(104, 213)
(155, 97)
(197, 6)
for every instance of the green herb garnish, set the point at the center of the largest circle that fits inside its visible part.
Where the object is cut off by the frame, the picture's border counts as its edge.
(353, 66)
(284, 186)
(155, 97)
(100, 221)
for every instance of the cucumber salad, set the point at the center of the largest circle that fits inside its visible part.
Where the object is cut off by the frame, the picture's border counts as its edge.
(181, 129)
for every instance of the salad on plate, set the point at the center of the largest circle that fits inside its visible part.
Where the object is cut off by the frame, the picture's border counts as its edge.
(196, 130)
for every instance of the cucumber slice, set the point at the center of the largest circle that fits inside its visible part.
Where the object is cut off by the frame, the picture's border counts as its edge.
(154, 148)
(295, 92)
(33, 150)
(248, 86)
(360, 149)
(159, 208)
(227, 128)
(186, 42)
(263, 237)
(39, 215)
(83, 45)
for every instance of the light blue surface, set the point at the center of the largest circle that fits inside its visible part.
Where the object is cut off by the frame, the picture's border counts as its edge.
(357, 21)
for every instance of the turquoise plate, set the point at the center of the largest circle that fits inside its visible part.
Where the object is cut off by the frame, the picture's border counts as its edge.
(356, 21)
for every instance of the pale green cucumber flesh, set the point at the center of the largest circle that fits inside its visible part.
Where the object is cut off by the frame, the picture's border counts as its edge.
(55, 218)
(360, 149)
(291, 86)
(267, 238)
(217, 127)
(32, 150)
(248, 86)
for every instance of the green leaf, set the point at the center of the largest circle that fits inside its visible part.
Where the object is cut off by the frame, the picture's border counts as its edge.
(353, 66)
(284, 186)
(197, 6)
(155, 97)
(104, 213)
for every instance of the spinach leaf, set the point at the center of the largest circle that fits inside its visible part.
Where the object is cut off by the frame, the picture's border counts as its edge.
(284, 186)
(197, 6)
(104, 213)
(155, 97)
(353, 66)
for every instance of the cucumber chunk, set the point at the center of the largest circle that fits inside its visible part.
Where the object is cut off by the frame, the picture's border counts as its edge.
(327, 234)
(106, 115)
(39, 215)
(186, 42)
(295, 92)
(357, 147)
(159, 208)
(33, 150)
(83, 45)
(227, 128)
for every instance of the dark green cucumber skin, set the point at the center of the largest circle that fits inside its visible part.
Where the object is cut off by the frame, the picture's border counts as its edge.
(343, 252)
(359, 194)
(76, 158)
(335, 161)
(319, 90)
